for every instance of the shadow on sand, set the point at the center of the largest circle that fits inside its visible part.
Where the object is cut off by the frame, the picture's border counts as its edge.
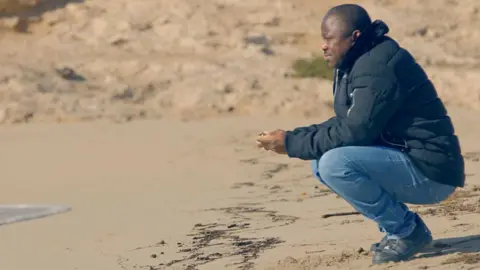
(467, 248)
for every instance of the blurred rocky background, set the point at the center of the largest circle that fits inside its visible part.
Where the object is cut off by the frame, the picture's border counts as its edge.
(64, 61)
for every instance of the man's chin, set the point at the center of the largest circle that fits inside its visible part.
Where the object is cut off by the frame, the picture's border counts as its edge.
(328, 60)
(330, 64)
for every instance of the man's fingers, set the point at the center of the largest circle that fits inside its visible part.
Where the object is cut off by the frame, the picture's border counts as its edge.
(266, 146)
(262, 145)
(264, 139)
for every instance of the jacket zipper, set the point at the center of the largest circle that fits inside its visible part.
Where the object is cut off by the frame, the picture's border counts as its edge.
(336, 85)
(337, 81)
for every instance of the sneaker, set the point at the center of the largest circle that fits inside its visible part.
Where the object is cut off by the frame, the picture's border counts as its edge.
(377, 246)
(380, 245)
(396, 250)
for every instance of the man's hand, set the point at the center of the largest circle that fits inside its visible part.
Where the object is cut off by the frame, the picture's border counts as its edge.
(272, 141)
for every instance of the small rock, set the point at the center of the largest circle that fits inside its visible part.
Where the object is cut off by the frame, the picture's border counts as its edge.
(255, 85)
(243, 243)
(421, 31)
(16, 24)
(217, 255)
(22, 115)
(68, 73)
(257, 40)
(212, 33)
(228, 88)
(118, 40)
(142, 26)
(153, 256)
(425, 32)
(275, 21)
(276, 187)
(126, 93)
(267, 51)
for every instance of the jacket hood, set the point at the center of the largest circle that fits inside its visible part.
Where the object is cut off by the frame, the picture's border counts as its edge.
(368, 39)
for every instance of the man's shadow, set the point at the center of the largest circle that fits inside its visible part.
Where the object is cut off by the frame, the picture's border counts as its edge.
(441, 247)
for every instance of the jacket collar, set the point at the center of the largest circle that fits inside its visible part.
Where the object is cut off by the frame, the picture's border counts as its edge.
(369, 38)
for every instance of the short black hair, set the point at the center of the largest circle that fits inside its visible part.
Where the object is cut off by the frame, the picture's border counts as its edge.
(354, 17)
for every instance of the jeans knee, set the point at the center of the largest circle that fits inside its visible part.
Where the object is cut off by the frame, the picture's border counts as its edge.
(333, 163)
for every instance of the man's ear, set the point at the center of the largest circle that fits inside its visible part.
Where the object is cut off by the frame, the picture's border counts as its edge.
(355, 35)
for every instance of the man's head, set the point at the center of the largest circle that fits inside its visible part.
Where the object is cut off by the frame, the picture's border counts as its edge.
(341, 26)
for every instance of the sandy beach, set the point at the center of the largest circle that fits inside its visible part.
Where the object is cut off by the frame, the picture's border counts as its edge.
(173, 195)
(152, 145)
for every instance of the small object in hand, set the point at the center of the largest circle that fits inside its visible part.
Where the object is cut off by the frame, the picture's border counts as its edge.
(259, 144)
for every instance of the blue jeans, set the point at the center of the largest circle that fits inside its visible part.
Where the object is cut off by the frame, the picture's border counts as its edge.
(377, 182)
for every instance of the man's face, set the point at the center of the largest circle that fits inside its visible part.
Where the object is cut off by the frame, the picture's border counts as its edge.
(337, 41)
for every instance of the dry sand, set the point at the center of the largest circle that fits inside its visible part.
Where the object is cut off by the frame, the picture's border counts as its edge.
(181, 185)
(196, 194)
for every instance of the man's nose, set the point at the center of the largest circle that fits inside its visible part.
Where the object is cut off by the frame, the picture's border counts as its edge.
(324, 47)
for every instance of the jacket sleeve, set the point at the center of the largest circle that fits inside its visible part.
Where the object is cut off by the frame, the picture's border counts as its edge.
(375, 98)
(315, 127)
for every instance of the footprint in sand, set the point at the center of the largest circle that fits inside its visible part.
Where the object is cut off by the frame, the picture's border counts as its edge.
(275, 169)
(213, 241)
(243, 184)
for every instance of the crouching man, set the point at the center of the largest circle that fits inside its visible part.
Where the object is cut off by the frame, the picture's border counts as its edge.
(390, 142)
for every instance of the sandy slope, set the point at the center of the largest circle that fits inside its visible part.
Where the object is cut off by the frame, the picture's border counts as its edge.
(196, 59)
(135, 185)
